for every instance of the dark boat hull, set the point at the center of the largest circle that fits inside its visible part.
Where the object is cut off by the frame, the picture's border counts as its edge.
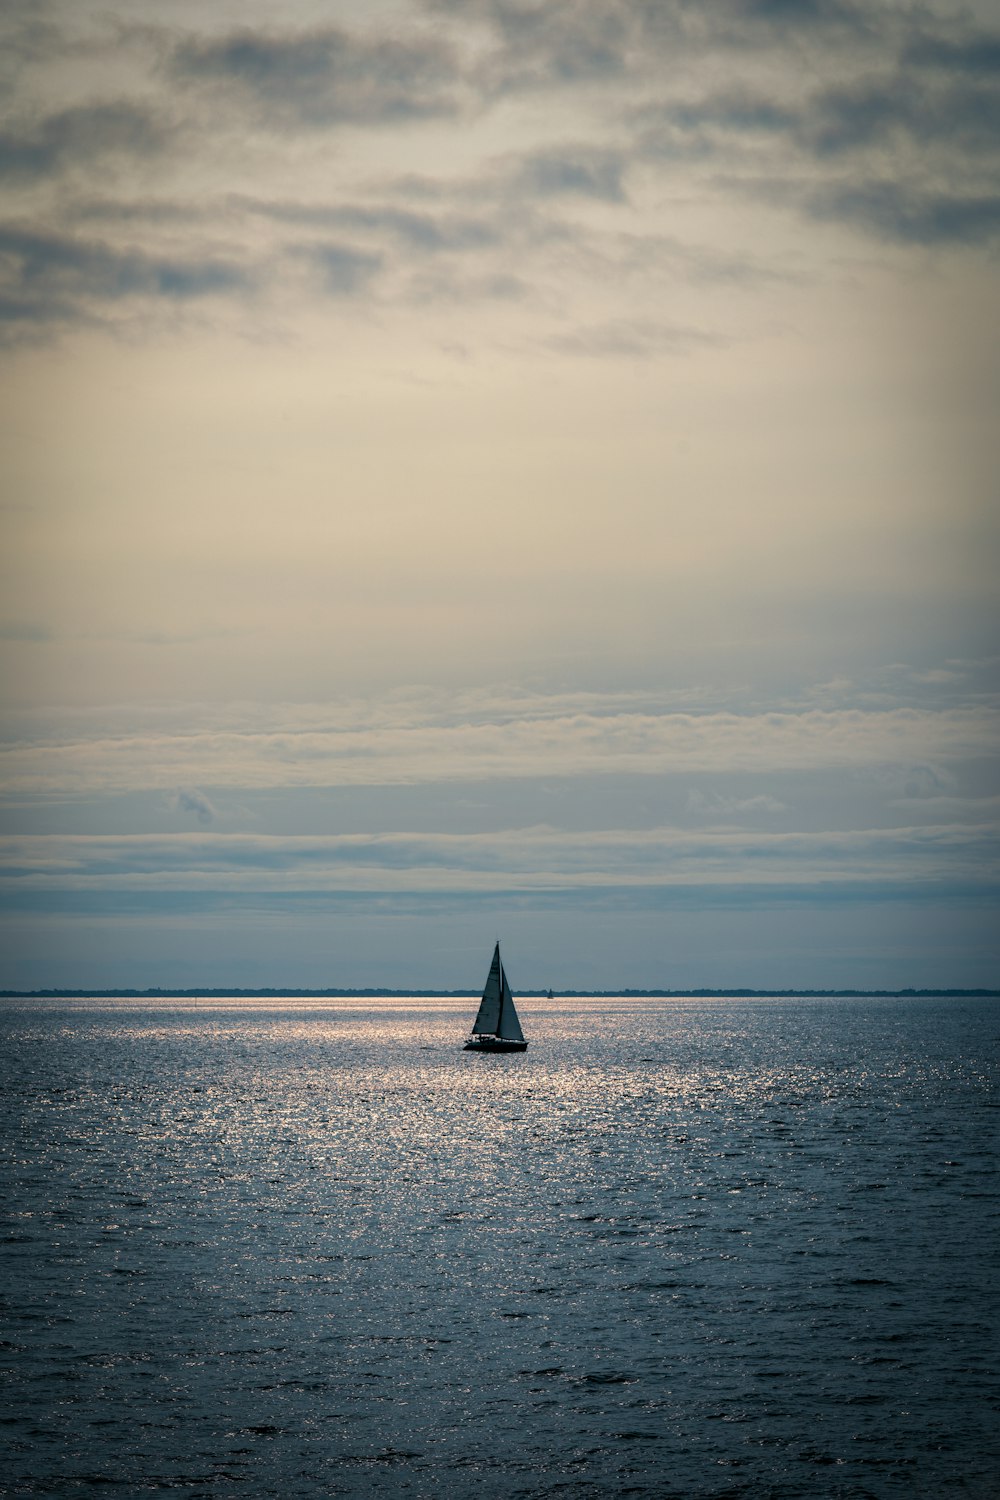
(493, 1044)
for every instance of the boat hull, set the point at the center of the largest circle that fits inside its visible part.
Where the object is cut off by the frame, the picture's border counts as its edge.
(493, 1044)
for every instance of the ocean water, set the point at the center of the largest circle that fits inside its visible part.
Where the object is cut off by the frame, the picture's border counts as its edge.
(691, 1248)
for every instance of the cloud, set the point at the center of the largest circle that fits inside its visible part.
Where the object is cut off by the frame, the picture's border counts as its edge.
(461, 740)
(459, 286)
(717, 805)
(427, 233)
(50, 277)
(976, 53)
(927, 782)
(898, 142)
(804, 13)
(894, 211)
(346, 269)
(520, 859)
(832, 122)
(193, 801)
(28, 37)
(904, 146)
(84, 136)
(586, 172)
(169, 213)
(628, 339)
(457, 240)
(865, 114)
(577, 44)
(325, 77)
(583, 44)
(556, 45)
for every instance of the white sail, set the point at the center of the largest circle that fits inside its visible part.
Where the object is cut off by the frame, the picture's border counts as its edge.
(488, 1017)
(509, 1027)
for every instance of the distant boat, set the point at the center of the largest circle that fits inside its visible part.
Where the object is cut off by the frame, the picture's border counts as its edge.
(496, 1027)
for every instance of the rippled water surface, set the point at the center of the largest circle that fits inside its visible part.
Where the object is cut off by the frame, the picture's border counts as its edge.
(678, 1248)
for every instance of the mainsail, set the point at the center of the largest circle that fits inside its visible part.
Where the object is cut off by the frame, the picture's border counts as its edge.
(488, 1015)
(496, 1015)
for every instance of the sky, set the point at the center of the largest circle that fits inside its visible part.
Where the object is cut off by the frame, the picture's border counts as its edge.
(499, 468)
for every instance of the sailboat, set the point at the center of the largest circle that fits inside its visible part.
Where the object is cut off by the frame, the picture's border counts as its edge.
(496, 1027)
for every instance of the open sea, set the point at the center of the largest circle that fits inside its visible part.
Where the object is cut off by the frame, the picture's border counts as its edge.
(679, 1248)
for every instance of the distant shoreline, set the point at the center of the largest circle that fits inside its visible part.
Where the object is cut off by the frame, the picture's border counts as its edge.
(539, 993)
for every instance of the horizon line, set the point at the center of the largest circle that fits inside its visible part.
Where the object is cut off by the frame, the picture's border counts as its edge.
(540, 992)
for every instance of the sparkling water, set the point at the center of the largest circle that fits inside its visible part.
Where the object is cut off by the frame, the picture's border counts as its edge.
(677, 1248)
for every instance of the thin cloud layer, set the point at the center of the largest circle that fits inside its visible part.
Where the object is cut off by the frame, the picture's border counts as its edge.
(512, 746)
(886, 863)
